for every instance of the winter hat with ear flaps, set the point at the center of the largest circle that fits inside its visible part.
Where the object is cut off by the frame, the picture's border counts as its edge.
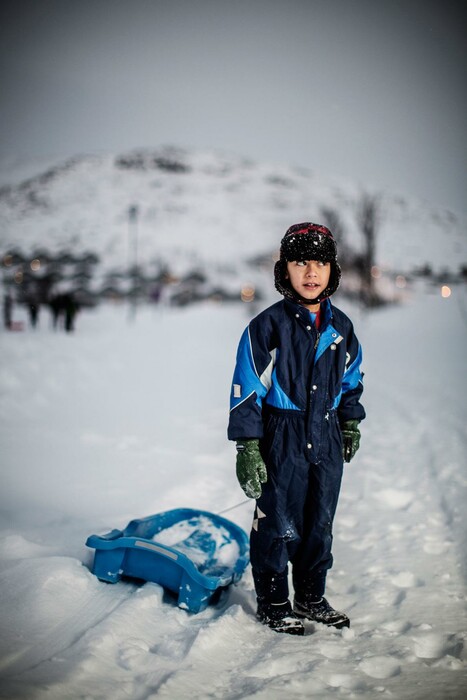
(306, 242)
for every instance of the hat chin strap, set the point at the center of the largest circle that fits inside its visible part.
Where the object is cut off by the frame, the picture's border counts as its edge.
(309, 302)
(288, 291)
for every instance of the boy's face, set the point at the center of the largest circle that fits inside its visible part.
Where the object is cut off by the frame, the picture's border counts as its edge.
(309, 278)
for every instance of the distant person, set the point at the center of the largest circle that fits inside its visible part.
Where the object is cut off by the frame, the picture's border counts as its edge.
(33, 308)
(70, 308)
(156, 292)
(295, 411)
(7, 310)
(55, 309)
(64, 306)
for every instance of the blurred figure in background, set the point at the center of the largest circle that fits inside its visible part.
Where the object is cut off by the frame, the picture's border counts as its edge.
(7, 310)
(64, 305)
(33, 308)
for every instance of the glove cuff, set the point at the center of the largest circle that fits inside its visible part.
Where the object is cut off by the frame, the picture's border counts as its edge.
(242, 445)
(351, 424)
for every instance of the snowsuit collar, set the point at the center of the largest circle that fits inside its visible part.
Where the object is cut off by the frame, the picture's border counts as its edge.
(298, 311)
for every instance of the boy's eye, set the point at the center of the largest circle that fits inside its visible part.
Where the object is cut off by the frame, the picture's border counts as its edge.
(303, 263)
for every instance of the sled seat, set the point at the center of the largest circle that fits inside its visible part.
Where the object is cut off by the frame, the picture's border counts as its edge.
(192, 553)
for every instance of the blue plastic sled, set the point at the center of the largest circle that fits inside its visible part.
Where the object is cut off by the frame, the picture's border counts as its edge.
(192, 553)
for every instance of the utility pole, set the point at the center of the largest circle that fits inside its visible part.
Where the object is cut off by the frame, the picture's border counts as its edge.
(368, 218)
(133, 255)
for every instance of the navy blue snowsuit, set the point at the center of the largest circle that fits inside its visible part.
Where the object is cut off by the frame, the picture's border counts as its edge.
(293, 387)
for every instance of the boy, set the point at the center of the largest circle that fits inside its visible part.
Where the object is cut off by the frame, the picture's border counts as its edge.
(295, 410)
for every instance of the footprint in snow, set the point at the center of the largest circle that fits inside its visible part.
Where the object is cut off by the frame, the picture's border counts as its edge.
(433, 545)
(395, 499)
(433, 645)
(348, 521)
(397, 626)
(380, 667)
(387, 597)
(131, 655)
(334, 651)
(405, 579)
(346, 681)
(364, 544)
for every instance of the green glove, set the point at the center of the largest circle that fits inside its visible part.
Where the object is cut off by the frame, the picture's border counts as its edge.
(251, 470)
(350, 439)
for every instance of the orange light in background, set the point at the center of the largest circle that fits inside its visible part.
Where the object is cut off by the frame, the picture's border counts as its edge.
(35, 264)
(445, 291)
(247, 293)
(401, 282)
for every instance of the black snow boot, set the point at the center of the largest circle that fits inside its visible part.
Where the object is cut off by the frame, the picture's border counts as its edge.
(320, 611)
(280, 617)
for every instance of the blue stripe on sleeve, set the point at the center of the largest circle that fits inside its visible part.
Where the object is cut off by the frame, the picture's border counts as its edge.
(352, 375)
(245, 375)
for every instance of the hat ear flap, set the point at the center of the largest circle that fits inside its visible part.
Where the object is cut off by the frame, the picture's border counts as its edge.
(336, 276)
(281, 279)
(334, 280)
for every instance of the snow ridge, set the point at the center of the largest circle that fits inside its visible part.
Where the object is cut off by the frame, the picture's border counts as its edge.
(208, 205)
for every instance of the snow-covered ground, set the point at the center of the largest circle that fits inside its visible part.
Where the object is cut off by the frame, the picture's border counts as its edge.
(127, 417)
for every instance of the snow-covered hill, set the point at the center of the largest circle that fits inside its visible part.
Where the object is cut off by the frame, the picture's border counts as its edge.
(208, 206)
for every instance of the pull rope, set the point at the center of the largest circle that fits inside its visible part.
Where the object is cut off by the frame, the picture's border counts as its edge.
(242, 503)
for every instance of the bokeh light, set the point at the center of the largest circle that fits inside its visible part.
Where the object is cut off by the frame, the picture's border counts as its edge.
(401, 282)
(445, 291)
(247, 293)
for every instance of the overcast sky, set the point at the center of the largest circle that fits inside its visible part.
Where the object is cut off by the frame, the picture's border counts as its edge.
(368, 90)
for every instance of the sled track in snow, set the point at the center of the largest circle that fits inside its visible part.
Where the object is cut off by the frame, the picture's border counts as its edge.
(66, 633)
(443, 459)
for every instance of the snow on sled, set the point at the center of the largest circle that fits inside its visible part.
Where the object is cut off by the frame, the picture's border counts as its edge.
(192, 553)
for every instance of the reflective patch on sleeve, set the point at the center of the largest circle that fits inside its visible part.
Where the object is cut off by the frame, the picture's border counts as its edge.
(258, 515)
(266, 377)
(237, 391)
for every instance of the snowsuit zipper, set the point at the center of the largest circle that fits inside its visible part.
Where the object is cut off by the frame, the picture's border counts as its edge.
(309, 443)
